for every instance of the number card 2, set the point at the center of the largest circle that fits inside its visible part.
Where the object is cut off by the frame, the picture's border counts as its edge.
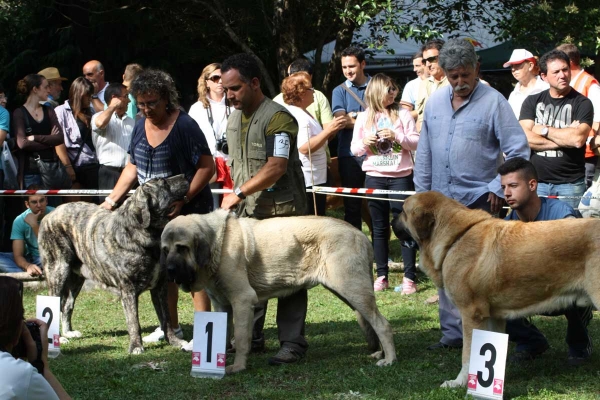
(210, 337)
(487, 364)
(48, 310)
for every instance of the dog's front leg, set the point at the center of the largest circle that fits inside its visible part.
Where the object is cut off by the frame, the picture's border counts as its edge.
(159, 300)
(243, 315)
(468, 325)
(129, 299)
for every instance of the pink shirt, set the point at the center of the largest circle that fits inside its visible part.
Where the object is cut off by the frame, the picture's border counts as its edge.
(386, 159)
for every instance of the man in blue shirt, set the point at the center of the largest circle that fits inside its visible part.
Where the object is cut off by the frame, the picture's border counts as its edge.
(26, 255)
(519, 181)
(466, 127)
(344, 103)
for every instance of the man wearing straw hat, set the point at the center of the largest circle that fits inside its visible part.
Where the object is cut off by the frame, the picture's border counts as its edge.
(54, 85)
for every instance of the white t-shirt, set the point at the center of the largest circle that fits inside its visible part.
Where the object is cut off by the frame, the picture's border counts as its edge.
(113, 141)
(309, 127)
(411, 91)
(20, 380)
(517, 97)
(215, 131)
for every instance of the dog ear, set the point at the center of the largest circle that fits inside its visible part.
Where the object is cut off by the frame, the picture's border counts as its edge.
(423, 221)
(141, 209)
(203, 251)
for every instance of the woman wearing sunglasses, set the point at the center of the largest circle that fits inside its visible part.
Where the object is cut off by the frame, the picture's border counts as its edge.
(24, 369)
(211, 112)
(386, 134)
(167, 142)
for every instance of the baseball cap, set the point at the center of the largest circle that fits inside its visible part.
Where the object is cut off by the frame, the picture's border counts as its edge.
(51, 73)
(518, 56)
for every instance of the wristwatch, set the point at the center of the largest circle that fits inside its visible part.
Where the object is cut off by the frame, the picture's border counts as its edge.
(95, 97)
(238, 192)
(545, 131)
(353, 114)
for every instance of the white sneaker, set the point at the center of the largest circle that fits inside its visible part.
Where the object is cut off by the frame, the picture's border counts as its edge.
(189, 346)
(159, 335)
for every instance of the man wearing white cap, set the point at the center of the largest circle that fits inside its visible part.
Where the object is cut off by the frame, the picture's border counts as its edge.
(557, 122)
(54, 85)
(523, 66)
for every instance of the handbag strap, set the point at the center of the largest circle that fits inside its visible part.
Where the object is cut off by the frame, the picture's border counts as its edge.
(83, 139)
(358, 99)
(28, 129)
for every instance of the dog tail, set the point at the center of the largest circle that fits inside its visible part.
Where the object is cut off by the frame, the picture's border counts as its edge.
(371, 336)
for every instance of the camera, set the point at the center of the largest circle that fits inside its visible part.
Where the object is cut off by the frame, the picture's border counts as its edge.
(20, 350)
(222, 145)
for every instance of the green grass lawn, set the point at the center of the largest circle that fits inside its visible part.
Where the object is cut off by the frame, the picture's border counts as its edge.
(337, 365)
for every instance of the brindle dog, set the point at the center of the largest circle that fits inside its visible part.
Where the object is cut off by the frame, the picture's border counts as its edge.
(119, 250)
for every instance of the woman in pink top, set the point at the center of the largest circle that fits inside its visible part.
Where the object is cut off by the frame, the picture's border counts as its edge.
(385, 134)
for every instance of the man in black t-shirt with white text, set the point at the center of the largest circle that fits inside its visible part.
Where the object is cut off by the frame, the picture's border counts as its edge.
(557, 122)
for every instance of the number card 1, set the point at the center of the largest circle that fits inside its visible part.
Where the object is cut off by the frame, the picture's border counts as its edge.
(48, 309)
(210, 337)
(487, 364)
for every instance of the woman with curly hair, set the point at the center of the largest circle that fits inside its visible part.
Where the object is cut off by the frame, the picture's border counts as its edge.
(298, 94)
(385, 134)
(211, 112)
(74, 117)
(167, 142)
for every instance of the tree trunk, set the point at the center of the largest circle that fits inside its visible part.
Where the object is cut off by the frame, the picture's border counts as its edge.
(214, 8)
(343, 39)
(285, 30)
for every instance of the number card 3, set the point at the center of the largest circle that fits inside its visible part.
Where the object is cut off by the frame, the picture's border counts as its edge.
(210, 337)
(48, 310)
(487, 364)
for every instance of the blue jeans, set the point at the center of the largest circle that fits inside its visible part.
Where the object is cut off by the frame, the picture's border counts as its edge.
(7, 262)
(574, 189)
(380, 216)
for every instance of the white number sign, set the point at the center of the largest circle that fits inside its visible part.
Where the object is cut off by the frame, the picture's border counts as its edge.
(210, 336)
(487, 364)
(48, 310)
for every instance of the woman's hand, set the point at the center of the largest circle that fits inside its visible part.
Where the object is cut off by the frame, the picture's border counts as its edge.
(387, 134)
(370, 140)
(31, 346)
(71, 172)
(177, 206)
(338, 123)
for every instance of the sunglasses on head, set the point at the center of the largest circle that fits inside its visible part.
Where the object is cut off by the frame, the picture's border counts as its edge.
(431, 59)
(214, 78)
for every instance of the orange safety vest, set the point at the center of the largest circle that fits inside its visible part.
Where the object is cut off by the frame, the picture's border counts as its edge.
(582, 84)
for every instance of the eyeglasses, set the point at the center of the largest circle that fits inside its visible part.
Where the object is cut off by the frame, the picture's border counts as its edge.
(392, 89)
(149, 104)
(431, 59)
(214, 78)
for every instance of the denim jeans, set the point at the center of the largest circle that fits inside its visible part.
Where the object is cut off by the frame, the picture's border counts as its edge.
(574, 189)
(7, 262)
(380, 216)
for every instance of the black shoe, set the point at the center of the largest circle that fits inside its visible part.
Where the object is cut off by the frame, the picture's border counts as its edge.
(440, 345)
(286, 355)
(527, 356)
(578, 358)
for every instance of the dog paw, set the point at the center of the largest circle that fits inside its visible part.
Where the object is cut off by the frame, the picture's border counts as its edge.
(72, 334)
(137, 350)
(234, 369)
(453, 384)
(378, 355)
(384, 363)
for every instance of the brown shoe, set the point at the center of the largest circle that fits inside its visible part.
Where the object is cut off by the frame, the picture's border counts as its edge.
(286, 355)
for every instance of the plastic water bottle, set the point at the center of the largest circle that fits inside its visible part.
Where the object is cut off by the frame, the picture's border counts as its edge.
(398, 288)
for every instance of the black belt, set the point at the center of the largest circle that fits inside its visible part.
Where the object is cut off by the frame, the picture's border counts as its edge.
(119, 169)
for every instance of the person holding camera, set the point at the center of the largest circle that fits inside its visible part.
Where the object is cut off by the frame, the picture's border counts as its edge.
(386, 134)
(298, 95)
(24, 369)
(211, 112)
